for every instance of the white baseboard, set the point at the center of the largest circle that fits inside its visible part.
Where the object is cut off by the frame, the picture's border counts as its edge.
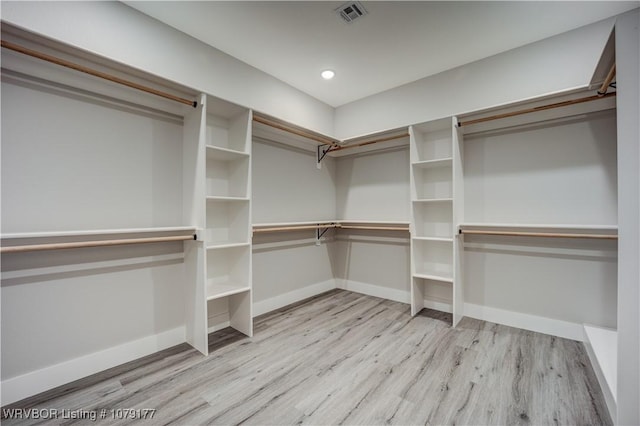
(218, 321)
(218, 327)
(602, 348)
(285, 299)
(565, 329)
(442, 306)
(20, 387)
(374, 290)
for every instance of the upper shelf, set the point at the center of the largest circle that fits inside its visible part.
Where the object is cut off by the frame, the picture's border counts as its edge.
(278, 224)
(97, 232)
(572, 227)
(275, 130)
(609, 232)
(428, 164)
(331, 221)
(338, 224)
(225, 198)
(225, 154)
(547, 108)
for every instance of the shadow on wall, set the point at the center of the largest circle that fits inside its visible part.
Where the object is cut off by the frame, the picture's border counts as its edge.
(41, 266)
(376, 258)
(374, 186)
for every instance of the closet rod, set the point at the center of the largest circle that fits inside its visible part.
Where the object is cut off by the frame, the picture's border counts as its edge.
(322, 139)
(85, 244)
(607, 81)
(538, 234)
(95, 73)
(374, 228)
(536, 109)
(385, 139)
(293, 228)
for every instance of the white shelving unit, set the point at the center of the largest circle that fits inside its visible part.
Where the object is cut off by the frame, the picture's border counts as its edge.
(435, 191)
(228, 217)
(217, 158)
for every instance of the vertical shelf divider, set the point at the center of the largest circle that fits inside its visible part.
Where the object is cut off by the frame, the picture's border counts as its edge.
(417, 293)
(193, 166)
(458, 217)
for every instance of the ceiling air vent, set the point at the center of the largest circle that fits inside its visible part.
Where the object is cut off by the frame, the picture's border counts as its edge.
(351, 11)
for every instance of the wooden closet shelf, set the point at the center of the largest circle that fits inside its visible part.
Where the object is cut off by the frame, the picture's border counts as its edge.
(538, 234)
(99, 243)
(96, 232)
(374, 228)
(95, 73)
(293, 228)
(298, 131)
(338, 225)
(538, 108)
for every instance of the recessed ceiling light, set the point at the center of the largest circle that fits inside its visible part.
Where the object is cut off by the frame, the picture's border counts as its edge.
(328, 74)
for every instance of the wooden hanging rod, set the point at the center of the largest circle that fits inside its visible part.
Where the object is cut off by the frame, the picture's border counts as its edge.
(329, 225)
(384, 139)
(85, 244)
(536, 109)
(607, 81)
(293, 228)
(95, 73)
(539, 234)
(375, 228)
(322, 139)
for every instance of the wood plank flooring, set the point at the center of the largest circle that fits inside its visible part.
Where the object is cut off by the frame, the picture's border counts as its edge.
(346, 358)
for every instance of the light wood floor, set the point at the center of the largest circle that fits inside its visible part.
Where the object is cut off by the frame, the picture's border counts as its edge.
(346, 358)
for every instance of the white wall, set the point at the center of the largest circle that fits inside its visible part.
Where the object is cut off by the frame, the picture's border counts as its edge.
(374, 186)
(627, 62)
(59, 306)
(566, 61)
(122, 34)
(287, 187)
(70, 163)
(548, 173)
(86, 165)
(373, 262)
(288, 267)
(544, 173)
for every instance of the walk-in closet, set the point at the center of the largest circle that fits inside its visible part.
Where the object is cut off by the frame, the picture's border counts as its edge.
(188, 237)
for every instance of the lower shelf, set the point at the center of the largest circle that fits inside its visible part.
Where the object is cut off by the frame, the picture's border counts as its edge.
(219, 290)
(434, 277)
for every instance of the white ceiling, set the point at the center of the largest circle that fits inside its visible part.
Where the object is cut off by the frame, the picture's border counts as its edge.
(396, 43)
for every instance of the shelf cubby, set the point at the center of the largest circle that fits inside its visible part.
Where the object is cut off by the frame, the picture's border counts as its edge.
(227, 221)
(227, 133)
(433, 220)
(433, 259)
(433, 142)
(228, 272)
(432, 294)
(433, 182)
(227, 173)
